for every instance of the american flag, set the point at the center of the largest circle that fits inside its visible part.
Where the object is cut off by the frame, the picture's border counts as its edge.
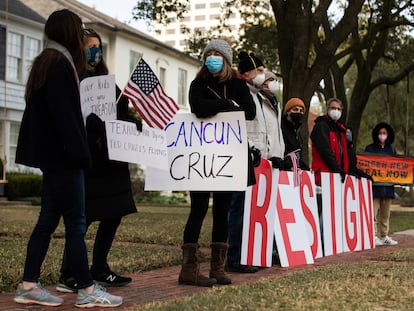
(148, 97)
(295, 167)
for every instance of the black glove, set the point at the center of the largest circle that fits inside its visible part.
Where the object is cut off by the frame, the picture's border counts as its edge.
(256, 156)
(287, 164)
(276, 162)
(343, 175)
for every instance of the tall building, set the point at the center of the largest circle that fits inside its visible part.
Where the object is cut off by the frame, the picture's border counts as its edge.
(201, 15)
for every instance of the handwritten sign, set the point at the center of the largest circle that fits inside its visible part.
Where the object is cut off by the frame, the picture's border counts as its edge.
(98, 96)
(127, 144)
(204, 154)
(388, 169)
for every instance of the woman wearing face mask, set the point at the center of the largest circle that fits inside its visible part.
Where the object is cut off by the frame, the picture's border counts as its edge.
(107, 183)
(291, 122)
(215, 89)
(382, 139)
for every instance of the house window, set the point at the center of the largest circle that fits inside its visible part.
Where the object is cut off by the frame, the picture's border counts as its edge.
(182, 87)
(21, 51)
(133, 59)
(2, 52)
(14, 57)
(14, 135)
(200, 6)
(2, 138)
(161, 76)
(215, 5)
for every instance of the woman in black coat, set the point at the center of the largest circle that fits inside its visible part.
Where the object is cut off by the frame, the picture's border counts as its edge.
(215, 89)
(107, 183)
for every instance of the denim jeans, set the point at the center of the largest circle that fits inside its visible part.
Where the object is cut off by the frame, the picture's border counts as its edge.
(63, 194)
(235, 227)
(103, 241)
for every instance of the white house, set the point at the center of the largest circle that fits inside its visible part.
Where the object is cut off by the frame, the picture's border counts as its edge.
(23, 22)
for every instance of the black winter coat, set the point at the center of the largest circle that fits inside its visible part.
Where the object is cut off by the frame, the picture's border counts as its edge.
(107, 182)
(52, 133)
(293, 140)
(207, 97)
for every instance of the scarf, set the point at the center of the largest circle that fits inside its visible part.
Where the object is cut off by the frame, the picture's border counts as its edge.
(59, 47)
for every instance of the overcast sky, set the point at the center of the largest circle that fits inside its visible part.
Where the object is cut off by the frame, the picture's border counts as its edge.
(121, 10)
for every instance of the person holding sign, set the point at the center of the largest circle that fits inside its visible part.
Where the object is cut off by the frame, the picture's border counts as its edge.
(382, 139)
(52, 138)
(291, 122)
(265, 135)
(215, 89)
(329, 144)
(107, 183)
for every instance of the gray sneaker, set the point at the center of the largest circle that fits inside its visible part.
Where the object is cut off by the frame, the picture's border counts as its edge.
(98, 298)
(36, 295)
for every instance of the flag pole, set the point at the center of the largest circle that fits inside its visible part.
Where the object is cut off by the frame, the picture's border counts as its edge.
(129, 77)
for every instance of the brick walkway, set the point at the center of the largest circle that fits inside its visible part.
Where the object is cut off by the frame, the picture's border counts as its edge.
(161, 284)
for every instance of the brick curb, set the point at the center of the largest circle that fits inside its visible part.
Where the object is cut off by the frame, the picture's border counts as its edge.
(161, 284)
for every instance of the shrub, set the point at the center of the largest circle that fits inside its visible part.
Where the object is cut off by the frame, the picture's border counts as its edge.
(23, 185)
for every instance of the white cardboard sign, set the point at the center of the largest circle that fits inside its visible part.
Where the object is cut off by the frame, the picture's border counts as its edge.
(127, 144)
(98, 96)
(203, 154)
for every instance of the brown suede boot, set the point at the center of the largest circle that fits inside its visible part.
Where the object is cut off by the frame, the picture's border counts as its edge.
(218, 258)
(190, 269)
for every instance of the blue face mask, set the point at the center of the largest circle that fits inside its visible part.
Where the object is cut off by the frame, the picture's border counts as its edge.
(214, 63)
(349, 137)
(94, 56)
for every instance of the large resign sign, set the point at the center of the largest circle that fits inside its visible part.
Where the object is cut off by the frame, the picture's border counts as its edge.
(276, 209)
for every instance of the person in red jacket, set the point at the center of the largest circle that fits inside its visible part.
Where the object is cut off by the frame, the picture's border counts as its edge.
(329, 144)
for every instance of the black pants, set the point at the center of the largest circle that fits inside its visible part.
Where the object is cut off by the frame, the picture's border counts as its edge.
(102, 245)
(199, 207)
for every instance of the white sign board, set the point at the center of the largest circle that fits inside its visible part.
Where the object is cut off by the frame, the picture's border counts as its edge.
(203, 154)
(98, 96)
(127, 144)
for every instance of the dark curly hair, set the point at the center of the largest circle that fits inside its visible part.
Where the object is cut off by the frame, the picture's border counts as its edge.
(390, 131)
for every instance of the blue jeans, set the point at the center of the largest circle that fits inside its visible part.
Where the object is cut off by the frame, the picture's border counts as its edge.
(63, 194)
(235, 227)
(103, 241)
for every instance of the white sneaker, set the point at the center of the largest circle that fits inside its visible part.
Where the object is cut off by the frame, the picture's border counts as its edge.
(378, 241)
(388, 241)
(98, 298)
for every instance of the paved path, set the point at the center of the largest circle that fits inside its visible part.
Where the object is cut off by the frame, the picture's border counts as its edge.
(161, 284)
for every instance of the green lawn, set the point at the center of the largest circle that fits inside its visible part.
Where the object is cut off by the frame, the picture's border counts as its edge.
(151, 239)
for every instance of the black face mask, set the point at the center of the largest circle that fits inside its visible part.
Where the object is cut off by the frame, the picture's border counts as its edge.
(296, 117)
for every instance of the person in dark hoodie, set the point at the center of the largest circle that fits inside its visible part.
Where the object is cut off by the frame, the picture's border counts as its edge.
(382, 139)
(291, 122)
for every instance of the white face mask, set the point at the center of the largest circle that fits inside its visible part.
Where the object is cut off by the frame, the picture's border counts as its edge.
(259, 79)
(273, 86)
(335, 114)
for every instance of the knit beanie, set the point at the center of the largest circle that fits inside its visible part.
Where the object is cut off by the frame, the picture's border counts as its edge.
(269, 75)
(220, 46)
(293, 102)
(248, 62)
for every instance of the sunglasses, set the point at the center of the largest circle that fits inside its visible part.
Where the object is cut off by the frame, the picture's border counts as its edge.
(89, 31)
